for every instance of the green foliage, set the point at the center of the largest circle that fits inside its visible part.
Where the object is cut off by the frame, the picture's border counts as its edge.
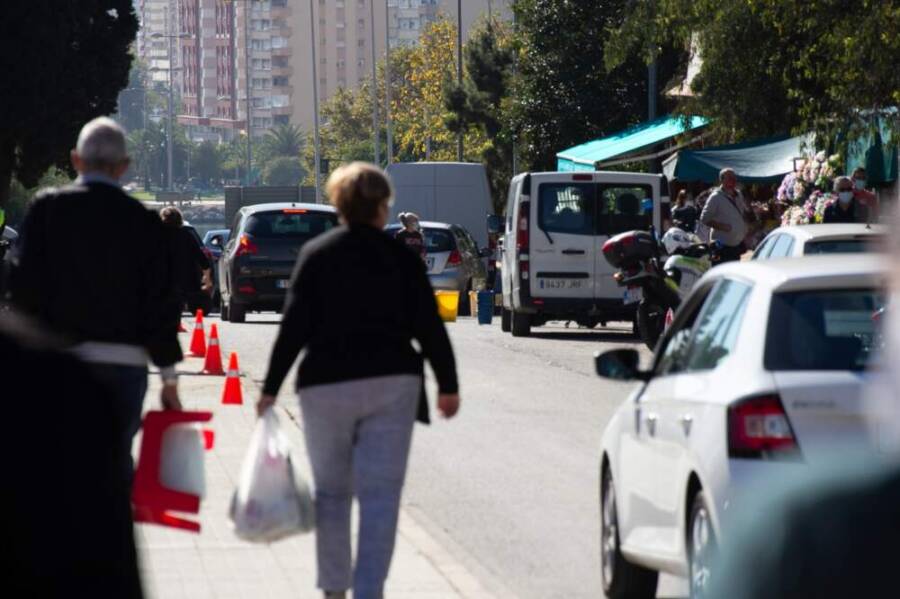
(284, 170)
(147, 148)
(63, 64)
(771, 66)
(20, 196)
(283, 140)
(206, 163)
(563, 95)
(480, 103)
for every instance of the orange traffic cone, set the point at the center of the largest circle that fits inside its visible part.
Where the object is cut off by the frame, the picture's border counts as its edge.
(213, 364)
(232, 393)
(198, 341)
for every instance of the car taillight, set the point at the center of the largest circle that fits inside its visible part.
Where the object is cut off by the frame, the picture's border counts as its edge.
(522, 229)
(246, 247)
(455, 259)
(758, 427)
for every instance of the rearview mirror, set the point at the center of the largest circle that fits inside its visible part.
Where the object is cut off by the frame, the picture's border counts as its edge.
(620, 365)
(494, 224)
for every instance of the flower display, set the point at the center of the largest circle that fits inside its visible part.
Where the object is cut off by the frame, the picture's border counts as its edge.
(807, 191)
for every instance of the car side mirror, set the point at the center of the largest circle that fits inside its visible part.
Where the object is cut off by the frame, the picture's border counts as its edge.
(494, 224)
(620, 365)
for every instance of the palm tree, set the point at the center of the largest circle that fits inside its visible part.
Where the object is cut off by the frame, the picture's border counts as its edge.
(283, 140)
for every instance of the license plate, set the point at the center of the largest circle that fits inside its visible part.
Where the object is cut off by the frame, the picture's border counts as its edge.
(632, 295)
(429, 263)
(560, 283)
(282, 283)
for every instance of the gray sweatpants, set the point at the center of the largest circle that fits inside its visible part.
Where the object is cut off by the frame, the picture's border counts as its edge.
(358, 435)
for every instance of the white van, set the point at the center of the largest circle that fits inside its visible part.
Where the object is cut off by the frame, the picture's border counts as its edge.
(447, 192)
(556, 223)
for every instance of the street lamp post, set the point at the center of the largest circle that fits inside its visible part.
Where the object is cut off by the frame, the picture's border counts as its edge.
(247, 47)
(459, 137)
(375, 136)
(316, 150)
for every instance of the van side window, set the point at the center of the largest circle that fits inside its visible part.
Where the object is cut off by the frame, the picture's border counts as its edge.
(623, 208)
(567, 208)
(511, 204)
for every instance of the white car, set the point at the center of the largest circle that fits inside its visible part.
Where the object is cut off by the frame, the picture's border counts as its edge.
(761, 371)
(805, 240)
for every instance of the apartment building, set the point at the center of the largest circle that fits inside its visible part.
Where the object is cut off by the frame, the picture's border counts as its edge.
(344, 40)
(158, 19)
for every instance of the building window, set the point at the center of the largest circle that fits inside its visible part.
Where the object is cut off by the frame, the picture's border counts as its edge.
(281, 119)
(279, 81)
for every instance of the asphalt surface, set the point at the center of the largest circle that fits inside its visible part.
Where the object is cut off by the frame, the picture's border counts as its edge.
(510, 486)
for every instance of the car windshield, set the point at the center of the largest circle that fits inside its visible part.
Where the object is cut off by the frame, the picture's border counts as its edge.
(842, 246)
(289, 224)
(824, 330)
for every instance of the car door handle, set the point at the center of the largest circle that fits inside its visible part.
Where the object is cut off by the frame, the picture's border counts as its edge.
(650, 420)
(686, 421)
(573, 252)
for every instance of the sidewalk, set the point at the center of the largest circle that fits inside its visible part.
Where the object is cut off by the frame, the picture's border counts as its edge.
(215, 563)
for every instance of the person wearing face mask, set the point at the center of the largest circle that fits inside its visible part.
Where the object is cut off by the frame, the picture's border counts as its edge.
(725, 215)
(846, 209)
(862, 195)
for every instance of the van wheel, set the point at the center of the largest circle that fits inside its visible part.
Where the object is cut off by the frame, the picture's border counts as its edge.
(505, 320)
(237, 313)
(521, 324)
(621, 579)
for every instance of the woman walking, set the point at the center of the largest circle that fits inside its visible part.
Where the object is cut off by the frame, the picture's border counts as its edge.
(357, 299)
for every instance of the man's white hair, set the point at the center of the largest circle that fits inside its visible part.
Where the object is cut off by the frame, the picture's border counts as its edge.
(724, 172)
(101, 143)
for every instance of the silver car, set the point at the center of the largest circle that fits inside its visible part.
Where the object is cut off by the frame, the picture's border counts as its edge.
(454, 260)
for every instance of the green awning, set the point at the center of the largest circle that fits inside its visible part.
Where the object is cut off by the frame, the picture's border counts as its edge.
(760, 161)
(586, 156)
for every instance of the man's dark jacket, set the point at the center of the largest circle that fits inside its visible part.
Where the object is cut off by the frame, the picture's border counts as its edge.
(92, 265)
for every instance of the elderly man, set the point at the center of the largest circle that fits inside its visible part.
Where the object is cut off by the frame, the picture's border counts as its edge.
(92, 266)
(724, 214)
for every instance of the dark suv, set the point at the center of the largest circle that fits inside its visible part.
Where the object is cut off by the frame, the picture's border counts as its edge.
(257, 262)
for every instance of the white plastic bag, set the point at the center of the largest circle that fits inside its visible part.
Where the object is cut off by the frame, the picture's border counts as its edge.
(181, 459)
(272, 501)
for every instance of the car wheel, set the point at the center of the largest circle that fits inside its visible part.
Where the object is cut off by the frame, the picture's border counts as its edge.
(237, 313)
(505, 320)
(521, 324)
(701, 544)
(621, 579)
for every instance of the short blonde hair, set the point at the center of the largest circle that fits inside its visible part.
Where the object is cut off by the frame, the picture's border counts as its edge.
(358, 191)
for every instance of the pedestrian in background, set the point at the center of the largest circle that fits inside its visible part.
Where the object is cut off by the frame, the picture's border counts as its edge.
(91, 266)
(357, 299)
(862, 195)
(191, 268)
(725, 214)
(684, 215)
(411, 234)
(845, 209)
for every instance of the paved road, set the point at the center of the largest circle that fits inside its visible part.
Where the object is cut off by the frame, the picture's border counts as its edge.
(510, 486)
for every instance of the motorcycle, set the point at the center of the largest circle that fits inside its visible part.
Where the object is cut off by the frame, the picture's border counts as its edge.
(656, 274)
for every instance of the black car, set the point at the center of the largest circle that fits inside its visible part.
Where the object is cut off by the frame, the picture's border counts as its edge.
(257, 261)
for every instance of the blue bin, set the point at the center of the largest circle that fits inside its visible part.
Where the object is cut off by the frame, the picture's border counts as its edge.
(485, 307)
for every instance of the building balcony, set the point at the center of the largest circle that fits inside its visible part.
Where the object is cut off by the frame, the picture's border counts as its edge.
(282, 71)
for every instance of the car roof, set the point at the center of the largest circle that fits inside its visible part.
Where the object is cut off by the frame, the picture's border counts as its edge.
(831, 230)
(826, 271)
(274, 206)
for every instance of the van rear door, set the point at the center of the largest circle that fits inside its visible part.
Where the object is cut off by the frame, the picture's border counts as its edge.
(562, 239)
(621, 206)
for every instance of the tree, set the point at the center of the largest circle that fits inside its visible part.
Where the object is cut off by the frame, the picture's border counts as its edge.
(207, 163)
(284, 170)
(563, 95)
(481, 102)
(777, 66)
(283, 140)
(63, 64)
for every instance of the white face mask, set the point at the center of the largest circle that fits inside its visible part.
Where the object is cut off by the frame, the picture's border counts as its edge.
(844, 197)
(860, 183)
